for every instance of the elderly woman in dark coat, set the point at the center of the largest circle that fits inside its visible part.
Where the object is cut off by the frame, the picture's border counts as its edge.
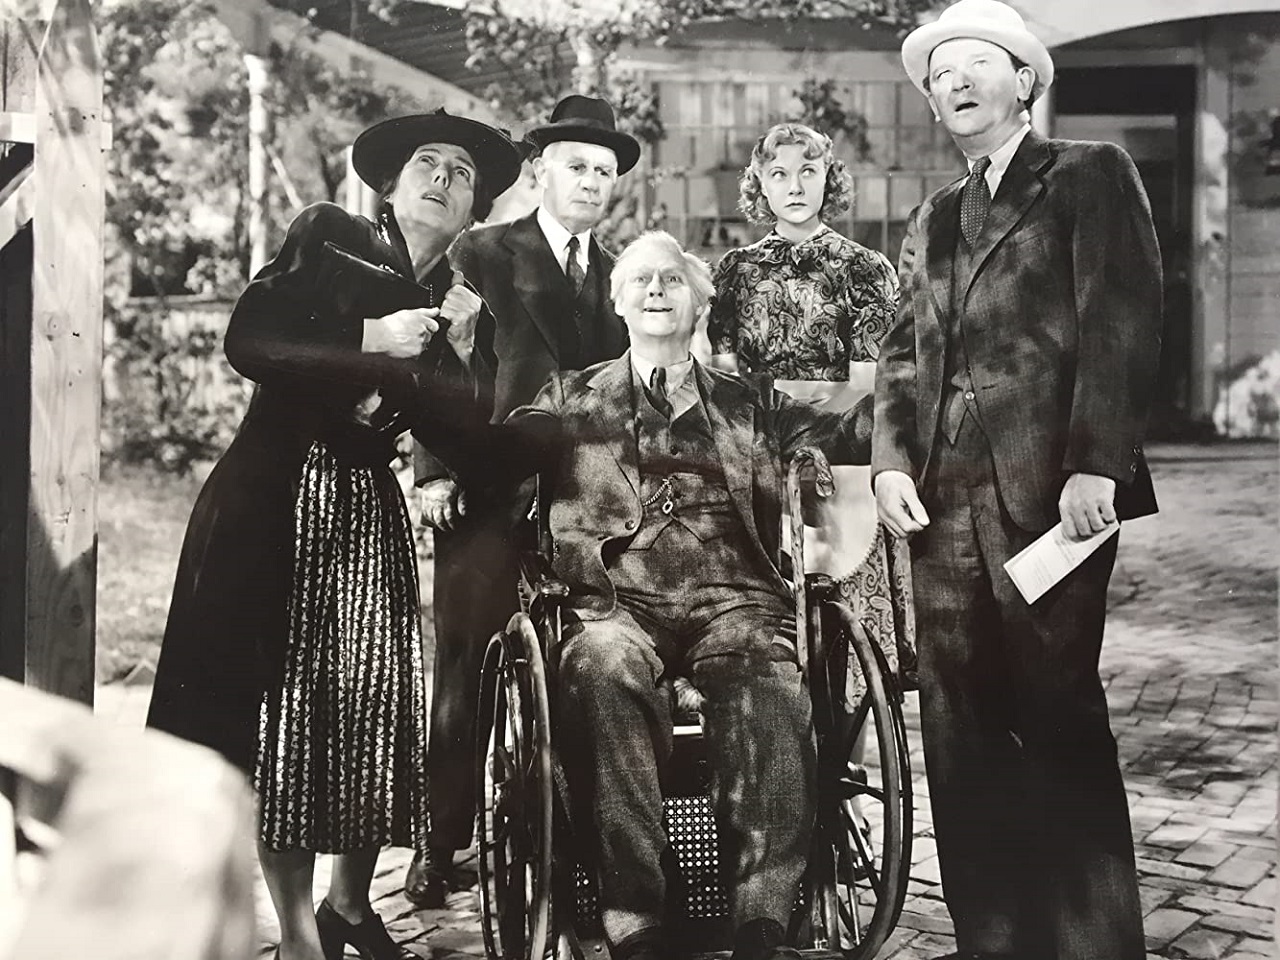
(293, 645)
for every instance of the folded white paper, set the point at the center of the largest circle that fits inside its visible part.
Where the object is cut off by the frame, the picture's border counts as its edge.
(1050, 558)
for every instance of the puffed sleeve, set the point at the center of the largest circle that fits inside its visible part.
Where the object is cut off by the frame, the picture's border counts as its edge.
(722, 323)
(872, 291)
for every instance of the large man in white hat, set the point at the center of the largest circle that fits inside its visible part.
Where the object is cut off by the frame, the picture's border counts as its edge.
(1012, 395)
(545, 279)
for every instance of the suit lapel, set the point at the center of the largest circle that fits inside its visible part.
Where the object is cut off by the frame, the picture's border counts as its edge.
(732, 417)
(610, 400)
(940, 248)
(539, 283)
(1018, 189)
(607, 332)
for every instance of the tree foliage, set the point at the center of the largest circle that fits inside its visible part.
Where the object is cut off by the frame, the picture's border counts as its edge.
(822, 109)
(177, 192)
(177, 204)
(537, 48)
(176, 90)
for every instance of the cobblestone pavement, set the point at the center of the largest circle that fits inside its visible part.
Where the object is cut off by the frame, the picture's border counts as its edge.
(1190, 663)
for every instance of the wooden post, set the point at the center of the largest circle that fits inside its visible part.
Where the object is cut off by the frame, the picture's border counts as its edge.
(50, 476)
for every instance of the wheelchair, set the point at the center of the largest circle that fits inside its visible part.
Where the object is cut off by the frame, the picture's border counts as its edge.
(537, 900)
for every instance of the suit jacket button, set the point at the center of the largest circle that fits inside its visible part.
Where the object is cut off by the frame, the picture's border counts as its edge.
(968, 394)
(630, 525)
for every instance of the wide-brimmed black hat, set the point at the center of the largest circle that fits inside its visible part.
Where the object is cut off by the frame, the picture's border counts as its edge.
(381, 151)
(587, 120)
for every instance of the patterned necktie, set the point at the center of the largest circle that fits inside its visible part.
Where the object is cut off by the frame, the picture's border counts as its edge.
(577, 276)
(975, 200)
(657, 392)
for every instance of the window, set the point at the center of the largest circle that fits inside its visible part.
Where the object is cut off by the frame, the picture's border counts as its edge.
(711, 126)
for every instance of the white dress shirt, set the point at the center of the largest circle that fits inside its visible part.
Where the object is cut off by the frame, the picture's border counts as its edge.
(1000, 158)
(558, 239)
(682, 385)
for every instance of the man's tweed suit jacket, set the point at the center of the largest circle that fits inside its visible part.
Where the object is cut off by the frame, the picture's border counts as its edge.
(596, 483)
(1060, 313)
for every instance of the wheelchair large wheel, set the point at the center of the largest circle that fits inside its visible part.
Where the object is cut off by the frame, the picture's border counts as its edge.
(865, 816)
(514, 806)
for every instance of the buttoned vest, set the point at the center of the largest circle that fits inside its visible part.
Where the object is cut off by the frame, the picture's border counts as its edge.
(958, 398)
(681, 478)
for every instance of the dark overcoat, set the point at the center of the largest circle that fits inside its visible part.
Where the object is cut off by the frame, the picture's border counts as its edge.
(225, 640)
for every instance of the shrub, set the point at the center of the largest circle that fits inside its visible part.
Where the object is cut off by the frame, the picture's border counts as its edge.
(169, 396)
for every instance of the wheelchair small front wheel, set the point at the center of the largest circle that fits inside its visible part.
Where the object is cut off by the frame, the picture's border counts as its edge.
(514, 808)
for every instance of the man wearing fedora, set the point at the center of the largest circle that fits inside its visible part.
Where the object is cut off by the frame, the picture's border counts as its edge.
(1012, 394)
(545, 279)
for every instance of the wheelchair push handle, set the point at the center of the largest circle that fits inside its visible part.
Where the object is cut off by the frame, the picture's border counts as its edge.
(806, 460)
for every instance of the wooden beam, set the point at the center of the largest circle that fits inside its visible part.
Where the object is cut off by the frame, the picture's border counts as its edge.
(21, 128)
(256, 25)
(17, 202)
(66, 357)
(18, 127)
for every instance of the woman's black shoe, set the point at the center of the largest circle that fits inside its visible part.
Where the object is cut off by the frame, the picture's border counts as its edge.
(369, 936)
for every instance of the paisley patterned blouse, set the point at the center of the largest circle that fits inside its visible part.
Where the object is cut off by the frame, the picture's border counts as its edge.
(802, 311)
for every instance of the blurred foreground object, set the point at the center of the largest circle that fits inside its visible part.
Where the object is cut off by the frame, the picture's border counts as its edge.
(149, 840)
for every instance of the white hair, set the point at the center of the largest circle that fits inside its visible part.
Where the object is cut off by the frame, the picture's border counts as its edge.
(697, 272)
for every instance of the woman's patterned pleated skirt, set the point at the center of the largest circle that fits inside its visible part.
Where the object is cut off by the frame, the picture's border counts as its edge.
(342, 744)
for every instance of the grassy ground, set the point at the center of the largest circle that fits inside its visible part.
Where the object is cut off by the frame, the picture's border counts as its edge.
(142, 515)
(141, 518)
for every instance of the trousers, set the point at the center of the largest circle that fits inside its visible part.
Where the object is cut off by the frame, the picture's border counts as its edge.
(614, 714)
(1028, 802)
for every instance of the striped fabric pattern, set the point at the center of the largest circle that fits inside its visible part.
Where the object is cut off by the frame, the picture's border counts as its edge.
(342, 745)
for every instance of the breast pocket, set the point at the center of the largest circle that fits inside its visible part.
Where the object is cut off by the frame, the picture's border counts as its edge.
(1037, 237)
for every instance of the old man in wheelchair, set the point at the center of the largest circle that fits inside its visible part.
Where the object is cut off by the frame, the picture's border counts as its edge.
(665, 499)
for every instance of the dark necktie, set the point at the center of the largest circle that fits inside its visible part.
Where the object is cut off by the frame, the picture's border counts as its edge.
(975, 201)
(657, 392)
(577, 276)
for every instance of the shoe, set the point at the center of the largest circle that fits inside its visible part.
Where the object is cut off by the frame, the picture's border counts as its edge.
(369, 936)
(762, 939)
(426, 885)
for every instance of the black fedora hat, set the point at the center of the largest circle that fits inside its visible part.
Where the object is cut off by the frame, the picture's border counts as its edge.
(587, 120)
(380, 152)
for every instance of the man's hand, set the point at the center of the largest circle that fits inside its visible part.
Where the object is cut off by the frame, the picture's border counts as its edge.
(402, 334)
(898, 504)
(461, 307)
(816, 481)
(1087, 505)
(442, 503)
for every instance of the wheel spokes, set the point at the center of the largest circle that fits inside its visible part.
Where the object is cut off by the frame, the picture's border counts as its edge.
(513, 846)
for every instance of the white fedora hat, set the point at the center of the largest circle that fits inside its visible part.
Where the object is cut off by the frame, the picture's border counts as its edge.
(988, 20)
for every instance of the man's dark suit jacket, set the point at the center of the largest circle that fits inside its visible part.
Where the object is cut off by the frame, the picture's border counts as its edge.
(596, 482)
(529, 299)
(1060, 314)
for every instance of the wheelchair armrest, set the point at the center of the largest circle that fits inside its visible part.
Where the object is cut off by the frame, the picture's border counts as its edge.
(536, 571)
